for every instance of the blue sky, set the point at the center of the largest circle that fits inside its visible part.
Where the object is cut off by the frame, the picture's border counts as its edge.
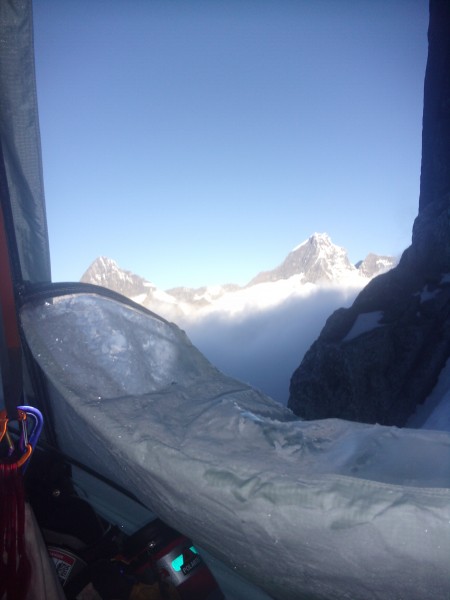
(198, 142)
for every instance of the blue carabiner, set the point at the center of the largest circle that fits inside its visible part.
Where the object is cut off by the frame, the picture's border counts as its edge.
(30, 439)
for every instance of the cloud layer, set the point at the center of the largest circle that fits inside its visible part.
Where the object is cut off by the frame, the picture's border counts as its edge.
(264, 347)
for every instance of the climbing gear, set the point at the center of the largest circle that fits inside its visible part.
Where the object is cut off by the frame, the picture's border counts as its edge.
(15, 569)
(20, 452)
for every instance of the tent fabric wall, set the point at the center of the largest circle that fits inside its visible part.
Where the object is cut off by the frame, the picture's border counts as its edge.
(21, 171)
(319, 509)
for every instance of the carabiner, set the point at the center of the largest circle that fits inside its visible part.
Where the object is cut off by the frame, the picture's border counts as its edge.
(3, 423)
(22, 418)
(36, 415)
(25, 456)
(27, 440)
(4, 433)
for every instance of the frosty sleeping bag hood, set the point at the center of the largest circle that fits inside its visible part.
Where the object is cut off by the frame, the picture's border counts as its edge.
(318, 510)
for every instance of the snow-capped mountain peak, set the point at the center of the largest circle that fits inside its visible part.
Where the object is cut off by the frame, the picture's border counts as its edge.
(316, 261)
(107, 273)
(375, 264)
(315, 238)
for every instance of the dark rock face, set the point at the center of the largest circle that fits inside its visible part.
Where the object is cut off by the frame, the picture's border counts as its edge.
(435, 171)
(377, 360)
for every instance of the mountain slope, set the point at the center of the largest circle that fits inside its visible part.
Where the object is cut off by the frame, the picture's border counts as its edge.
(374, 265)
(107, 273)
(315, 261)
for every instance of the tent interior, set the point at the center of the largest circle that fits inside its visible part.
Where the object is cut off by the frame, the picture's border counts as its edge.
(154, 472)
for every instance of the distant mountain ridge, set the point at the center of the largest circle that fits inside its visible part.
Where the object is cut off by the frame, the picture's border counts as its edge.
(107, 273)
(315, 261)
(319, 260)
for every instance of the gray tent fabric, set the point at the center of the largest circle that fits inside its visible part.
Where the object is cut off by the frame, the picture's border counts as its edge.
(20, 139)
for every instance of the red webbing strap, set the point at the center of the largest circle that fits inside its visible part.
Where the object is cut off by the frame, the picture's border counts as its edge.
(15, 570)
(7, 290)
(11, 355)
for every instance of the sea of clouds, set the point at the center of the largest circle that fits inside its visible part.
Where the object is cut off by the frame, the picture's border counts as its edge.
(262, 344)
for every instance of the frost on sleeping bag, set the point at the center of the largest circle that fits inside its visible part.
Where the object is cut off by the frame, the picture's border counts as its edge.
(320, 509)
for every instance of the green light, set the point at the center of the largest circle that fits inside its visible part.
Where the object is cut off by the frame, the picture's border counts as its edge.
(177, 562)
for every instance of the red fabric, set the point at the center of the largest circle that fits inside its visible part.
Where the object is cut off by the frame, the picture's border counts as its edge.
(14, 564)
(7, 300)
